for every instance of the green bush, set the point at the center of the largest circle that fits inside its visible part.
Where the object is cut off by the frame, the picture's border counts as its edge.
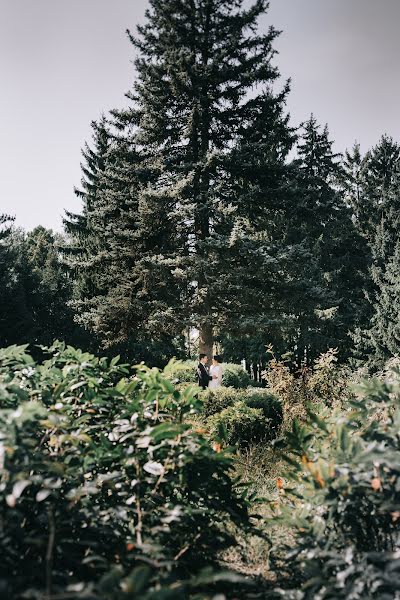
(182, 371)
(240, 425)
(271, 407)
(99, 469)
(215, 400)
(235, 376)
(347, 470)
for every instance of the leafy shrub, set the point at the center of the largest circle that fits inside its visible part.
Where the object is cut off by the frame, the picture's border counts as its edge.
(325, 382)
(241, 425)
(235, 376)
(343, 576)
(328, 382)
(215, 400)
(348, 520)
(271, 407)
(182, 371)
(99, 469)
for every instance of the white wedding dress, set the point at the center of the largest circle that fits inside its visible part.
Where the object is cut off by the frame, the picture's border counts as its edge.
(215, 370)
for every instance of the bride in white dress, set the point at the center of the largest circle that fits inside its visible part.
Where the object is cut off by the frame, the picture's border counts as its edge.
(216, 373)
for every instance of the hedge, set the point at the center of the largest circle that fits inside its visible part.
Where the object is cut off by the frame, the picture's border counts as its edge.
(227, 407)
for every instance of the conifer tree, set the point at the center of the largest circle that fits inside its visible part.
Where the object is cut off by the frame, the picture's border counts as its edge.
(214, 157)
(352, 183)
(324, 220)
(381, 191)
(84, 245)
(48, 289)
(380, 214)
(115, 288)
(383, 337)
(12, 305)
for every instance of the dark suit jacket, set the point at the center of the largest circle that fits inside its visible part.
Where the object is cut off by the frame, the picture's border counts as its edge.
(202, 376)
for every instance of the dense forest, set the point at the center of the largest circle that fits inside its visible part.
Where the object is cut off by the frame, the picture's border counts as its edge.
(209, 221)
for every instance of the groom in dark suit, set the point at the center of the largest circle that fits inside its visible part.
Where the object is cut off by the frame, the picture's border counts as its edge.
(203, 376)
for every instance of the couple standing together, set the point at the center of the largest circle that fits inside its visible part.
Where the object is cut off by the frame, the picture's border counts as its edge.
(209, 378)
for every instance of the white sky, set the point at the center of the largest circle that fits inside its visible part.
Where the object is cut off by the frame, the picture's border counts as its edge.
(63, 62)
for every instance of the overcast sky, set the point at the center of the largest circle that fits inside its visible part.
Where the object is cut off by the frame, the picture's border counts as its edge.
(64, 62)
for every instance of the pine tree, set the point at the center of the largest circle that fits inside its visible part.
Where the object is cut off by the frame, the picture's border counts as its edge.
(114, 282)
(381, 209)
(384, 334)
(352, 182)
(323, 219)
(214, 155)
(85, 243)
(381, 191)
(47, 288)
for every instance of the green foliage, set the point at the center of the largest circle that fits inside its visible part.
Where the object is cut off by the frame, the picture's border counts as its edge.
(182, 371)
(15, 317)
(235, 376)
(35, 291)
(240, 425)
(328, 299)
(325, 381)
(373, 186)
(271, 407)
(247, 416)
(216, 400)
(156, 168)
(341, 575)
(104, 489)
(345, 465)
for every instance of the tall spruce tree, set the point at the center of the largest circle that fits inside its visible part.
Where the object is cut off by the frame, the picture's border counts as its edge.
(352, 183)
(186, 207)
(85, 243)
(353, 187)
(332, 304)
(116, 289)
(382, 206)
(381, 226)
(214, 138)
(383, 337)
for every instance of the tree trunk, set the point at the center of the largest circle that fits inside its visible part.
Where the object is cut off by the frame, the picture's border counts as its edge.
(206, 340)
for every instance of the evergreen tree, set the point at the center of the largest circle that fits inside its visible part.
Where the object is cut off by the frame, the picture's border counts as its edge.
(35, 290)
(384, 335)
(323, 219)
(352, 183)
(212, 163)
(381, 191)
(115, 284)
(16, 323)
(84, 243)
(48, 289)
